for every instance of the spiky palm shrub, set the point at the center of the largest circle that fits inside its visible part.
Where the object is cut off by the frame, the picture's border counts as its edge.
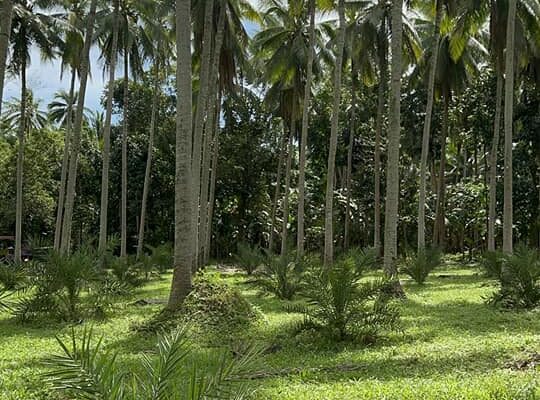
(280, 276)
(364, 259)
(418, 266)
(85, 370)
(343, 306)
(248, 258)
(519, 280)
(492, 263)
(12, 280)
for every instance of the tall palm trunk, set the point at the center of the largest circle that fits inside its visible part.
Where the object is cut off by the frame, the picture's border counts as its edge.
(427, 129)
(492, 213)
(65, 161)
(329, 208)
(352, 133)
(210, 126)
(104, 204)
(200, 113)
(148, 171)
(286, 193)
(300, 238)
(439, 228)
(508, 124)
(20, 167)
(394, 133)
(277, 192)
(382, 93)
(183, 203)
(5, 32)
(77, 130)
(123, 209)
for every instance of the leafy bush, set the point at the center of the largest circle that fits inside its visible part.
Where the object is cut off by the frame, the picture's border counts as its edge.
(519, 280)
(364, 259)
(248, 258)
(418, 266)
(85, 370)
(126, 271)
(492, 263)
(12, 276)
(161, 257)
(343, 307)
(280, 276)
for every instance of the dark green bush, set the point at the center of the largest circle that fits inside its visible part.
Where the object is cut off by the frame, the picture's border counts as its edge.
(248, 258)
(492, 263)
(418, 266)
(519, 280)
(280, 276)
(342, 306)
(364, 259)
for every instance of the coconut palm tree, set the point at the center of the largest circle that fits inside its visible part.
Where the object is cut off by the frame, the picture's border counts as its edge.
(183, 228)
(6, 12)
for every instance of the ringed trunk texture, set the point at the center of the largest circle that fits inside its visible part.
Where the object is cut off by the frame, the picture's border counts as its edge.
(286, 194)
(329, 208)
(104, 203)
(20, 167)
(123, 210)
(183, 228)
(300, 239)
(77, 129)
(6, 14)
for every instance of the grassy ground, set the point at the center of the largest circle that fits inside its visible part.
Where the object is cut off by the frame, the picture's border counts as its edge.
(452, 346)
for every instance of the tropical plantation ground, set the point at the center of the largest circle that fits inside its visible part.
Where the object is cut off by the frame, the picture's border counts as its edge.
(452, 345)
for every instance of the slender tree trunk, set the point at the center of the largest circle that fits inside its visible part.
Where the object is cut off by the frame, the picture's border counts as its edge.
(104, 204)
(277, 192)
(508, 125)
(123, 209)
(352, 133)
(65, 161)
(5, 32)
(300, 238)
(329, 208)
(427, 130)
(382, 93)
(286, 193)
(210, 126)
(394, 133)
(492, 214)
(200, 114)
(148, 171)
(183, 228)
(77, 129)
(20, 167)
(439, 229)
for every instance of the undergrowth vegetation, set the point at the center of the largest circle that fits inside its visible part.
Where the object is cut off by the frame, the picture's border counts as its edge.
(420, 264)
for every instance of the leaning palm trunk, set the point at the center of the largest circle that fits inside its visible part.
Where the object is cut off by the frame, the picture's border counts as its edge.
(183, 203)
(77, 129)
(346, 238)
(286, 194)
(148, 171)
(65, 161)
(492, 213)
(329, 208)
(104, 204)
(210, 126)
(427, 129)
(508, 123)
(394, 132)
(277, 192)
(300, 239)
(123, 207)
(5, 31)
(200, 113)
(20, 166)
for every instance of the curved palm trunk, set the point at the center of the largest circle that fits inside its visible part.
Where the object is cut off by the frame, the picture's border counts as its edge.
(508, 124)
(492, 213)
(427, 130)
(183, 226)
(277, 192)
(20, 168)
(200, 113)
(104, 203)
(65, 161)
(148, 171)
(329, 208)
(352, 133)
(300, 239)
(5, 32)
(210, 126)
(439, 228)
(123, 210)
(394, 133)
(77, 129)
(285, 222)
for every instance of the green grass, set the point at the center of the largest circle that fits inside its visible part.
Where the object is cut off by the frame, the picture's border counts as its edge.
(453, 346)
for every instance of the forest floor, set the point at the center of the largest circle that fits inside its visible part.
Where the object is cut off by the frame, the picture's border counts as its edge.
(453, 346)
